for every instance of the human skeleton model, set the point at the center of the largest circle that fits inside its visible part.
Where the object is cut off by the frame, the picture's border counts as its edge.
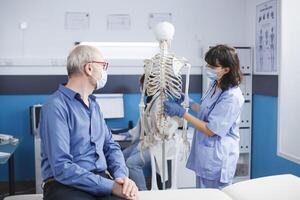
(163, 81)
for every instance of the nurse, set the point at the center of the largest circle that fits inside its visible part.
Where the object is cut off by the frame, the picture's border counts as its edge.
(215, 146)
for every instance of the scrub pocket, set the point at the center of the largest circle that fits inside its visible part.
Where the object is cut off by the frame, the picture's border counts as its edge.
(210, 164)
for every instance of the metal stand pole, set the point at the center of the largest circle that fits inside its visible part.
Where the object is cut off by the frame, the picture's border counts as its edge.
(163, 165)
(11, 175)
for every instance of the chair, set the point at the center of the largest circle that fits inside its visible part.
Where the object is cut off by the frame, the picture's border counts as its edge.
(174, 159)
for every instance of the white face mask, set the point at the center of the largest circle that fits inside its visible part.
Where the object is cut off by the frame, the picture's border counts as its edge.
(101, 83)
(211, 74)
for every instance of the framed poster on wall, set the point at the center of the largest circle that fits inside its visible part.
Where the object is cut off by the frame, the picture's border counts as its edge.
(266, 39)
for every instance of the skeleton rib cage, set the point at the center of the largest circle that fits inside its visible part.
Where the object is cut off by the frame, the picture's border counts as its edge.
(163, 80)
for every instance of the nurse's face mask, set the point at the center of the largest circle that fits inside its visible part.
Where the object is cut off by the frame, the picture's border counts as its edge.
(215, 73)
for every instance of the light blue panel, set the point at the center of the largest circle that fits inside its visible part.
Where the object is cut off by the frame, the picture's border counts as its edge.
(131, 112)
(14, 120)
(265, 161)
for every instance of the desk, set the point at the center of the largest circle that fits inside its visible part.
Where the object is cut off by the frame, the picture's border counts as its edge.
(124, 143)
(122, 140)
(9, 148)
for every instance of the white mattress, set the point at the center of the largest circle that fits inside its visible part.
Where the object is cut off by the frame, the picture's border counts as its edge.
(280, 187)
(184, 194)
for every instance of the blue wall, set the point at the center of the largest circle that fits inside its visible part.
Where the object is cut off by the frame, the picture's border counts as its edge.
(14, 119)
(264, 140)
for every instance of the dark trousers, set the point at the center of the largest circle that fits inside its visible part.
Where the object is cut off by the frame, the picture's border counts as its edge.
(56, 191)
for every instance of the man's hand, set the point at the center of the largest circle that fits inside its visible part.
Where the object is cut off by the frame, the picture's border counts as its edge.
(117, 190)
(126, 188)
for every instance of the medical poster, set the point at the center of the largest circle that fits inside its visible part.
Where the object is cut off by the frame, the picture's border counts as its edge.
(77, 20)
(155, 18)
(118, 22)
(266, 38)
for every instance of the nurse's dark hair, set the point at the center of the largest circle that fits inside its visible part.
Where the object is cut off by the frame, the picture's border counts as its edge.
(142, 78)
(226, 57)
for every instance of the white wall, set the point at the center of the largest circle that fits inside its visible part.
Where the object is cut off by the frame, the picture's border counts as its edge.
(250, 25)
(289, 96)
(211, 21)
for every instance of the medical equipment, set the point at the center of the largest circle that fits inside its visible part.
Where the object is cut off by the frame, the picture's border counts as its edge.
(163, 81)
(34, 112)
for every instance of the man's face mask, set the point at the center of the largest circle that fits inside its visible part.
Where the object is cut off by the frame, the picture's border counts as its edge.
(101, 83)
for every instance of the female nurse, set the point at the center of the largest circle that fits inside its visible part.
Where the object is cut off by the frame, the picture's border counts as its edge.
(215, 146)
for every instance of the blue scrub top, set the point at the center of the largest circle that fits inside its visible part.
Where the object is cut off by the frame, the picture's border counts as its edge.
(215, 158)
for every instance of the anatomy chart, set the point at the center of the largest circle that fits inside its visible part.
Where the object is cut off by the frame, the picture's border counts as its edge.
(266, 38)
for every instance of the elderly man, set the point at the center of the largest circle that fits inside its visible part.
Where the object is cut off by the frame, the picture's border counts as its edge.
(77, 147)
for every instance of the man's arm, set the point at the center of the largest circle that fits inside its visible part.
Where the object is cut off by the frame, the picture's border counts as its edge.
(116, 165)
(114, 156)
(55, 138)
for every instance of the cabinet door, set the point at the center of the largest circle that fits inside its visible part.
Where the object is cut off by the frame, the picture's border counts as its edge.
(246, 115)
(246, 87)
(245, 60)
(245, 140)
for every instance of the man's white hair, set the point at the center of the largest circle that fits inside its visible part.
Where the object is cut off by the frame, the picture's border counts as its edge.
(79, 57)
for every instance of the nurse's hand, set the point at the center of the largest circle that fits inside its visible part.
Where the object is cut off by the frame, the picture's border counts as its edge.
(182, 97)
(173, 109)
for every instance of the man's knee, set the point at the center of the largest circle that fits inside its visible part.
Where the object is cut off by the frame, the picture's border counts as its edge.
(131, 163)
(134, 161)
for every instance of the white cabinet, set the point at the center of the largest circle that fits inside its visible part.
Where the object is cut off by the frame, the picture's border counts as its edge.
(243, 168)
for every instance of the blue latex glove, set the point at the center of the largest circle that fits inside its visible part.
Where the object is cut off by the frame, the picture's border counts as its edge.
(182, 97)
(173, 109)
(179, 101)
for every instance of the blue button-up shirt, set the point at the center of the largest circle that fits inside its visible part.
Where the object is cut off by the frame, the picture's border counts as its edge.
(75, 140)
(215, 158)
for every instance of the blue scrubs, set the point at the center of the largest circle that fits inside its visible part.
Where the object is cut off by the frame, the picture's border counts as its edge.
(214, 159)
